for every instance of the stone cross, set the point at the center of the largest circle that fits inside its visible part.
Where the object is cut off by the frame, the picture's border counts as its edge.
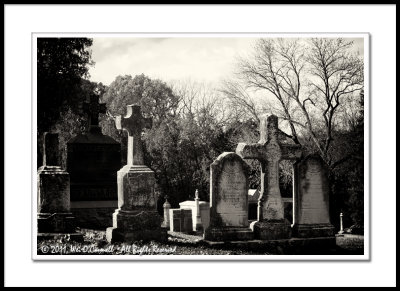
(134, 123)
(50, 149)
(93, 109)
(269, 151)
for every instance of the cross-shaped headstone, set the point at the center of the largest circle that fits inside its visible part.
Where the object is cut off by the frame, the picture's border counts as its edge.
(93, 109)
(269, 151)
(134, 123)
(50, 149)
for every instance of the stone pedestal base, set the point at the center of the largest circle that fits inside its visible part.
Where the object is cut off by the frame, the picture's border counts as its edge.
(53, 225)
(313, 230)
(271, 230)
(56, 223)
(135, 225)
(228, 234)
(198, 227)
(340, 233)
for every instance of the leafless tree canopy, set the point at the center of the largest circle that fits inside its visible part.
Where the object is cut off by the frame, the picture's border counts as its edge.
(307, 83)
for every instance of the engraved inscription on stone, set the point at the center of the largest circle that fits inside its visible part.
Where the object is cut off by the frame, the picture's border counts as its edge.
(314, 207)
(232, 203)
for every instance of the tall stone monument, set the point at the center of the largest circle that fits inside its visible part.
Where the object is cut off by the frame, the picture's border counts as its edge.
(93, 160)
(228, 199)
(311, 199)
(54, 215)
(136, 217)
(273, 147)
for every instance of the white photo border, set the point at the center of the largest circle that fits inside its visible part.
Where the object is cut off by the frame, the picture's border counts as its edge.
(22, 20)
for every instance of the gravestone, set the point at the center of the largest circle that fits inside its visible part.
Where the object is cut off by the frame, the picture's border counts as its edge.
(181, 220)
(311, 203)
(54, 216)
(254, 195)
(136, 217)
(288, 208)
(228, 199)
(93, 160)
(200, 212)
(274, 146)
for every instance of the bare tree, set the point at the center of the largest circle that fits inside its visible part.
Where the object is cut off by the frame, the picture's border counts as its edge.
(200, 102)
(337, 73)
(308, 80)
(267, 70)
(240, 103)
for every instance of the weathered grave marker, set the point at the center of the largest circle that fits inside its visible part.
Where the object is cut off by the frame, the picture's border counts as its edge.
(311, 203)
(181, 220)
(54, 216)
(136, 217)
(272, 148)
(254, 195)
(93, 160)
(229, 202)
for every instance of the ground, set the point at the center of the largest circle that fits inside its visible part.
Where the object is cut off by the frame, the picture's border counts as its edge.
(95, 243)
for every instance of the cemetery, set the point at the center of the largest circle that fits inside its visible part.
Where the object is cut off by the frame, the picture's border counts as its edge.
(118, 188)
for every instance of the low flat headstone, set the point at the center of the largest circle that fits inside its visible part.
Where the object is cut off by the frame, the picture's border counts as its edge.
(93, 160)
(53, 213)
(254, 195)
(288, 208)
(311, 203)
(229, 199)
(181, 220)
(204, 212)
(136, 217)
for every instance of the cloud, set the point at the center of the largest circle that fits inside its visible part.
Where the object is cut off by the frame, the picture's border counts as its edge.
(203, 59)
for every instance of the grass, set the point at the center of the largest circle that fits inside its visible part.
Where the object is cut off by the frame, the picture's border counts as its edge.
(95, 243)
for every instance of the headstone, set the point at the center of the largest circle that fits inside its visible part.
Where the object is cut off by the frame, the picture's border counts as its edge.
(273, 147)
(181, 220)
(288, 208)
(254, 195)
(54, 216)
(199, 208)
(166, 208)
(229, 202)
(93, 160)
(311, 203)
(136, 217)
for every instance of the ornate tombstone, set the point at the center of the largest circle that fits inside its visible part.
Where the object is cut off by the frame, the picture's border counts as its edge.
(311, 202)
(136, 217)
(54, 216)
(93, 160)
(273, 147)
(228, 199)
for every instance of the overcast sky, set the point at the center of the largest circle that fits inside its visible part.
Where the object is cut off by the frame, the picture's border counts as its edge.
(199, 59)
